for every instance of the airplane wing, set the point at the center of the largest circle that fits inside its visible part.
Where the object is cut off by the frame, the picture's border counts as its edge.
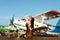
(49, 15)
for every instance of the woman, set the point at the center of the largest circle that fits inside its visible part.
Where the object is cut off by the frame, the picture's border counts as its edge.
(29, 25)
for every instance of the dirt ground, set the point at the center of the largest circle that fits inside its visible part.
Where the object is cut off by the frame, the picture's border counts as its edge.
(15, 37)
(34, 38)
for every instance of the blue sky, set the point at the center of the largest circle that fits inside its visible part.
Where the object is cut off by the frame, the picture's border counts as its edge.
(25, 7)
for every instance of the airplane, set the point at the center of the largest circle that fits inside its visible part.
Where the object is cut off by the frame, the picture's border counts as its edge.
(54, 25)
(6, 28)
(3, 29)
(39, 22)
(21, 24)
(52, 20)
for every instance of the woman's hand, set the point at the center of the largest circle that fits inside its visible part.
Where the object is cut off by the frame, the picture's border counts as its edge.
(30, 28)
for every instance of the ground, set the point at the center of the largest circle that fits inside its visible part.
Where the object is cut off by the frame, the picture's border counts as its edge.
(35, 37)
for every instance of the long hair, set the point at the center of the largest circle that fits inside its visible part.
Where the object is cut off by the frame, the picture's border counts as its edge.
(32, 23)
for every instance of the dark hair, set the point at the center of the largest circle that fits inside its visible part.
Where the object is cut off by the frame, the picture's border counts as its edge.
(32, 23)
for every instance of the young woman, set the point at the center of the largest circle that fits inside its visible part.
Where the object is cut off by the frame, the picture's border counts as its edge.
(29, 25)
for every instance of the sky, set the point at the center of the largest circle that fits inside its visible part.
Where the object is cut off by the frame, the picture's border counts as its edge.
(21, 8)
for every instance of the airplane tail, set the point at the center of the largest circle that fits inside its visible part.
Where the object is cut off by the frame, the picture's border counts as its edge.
(12, 20)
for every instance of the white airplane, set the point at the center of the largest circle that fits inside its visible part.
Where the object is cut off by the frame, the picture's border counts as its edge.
(37, 25)
(21, 24)
(53, 21)
(54, 25)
